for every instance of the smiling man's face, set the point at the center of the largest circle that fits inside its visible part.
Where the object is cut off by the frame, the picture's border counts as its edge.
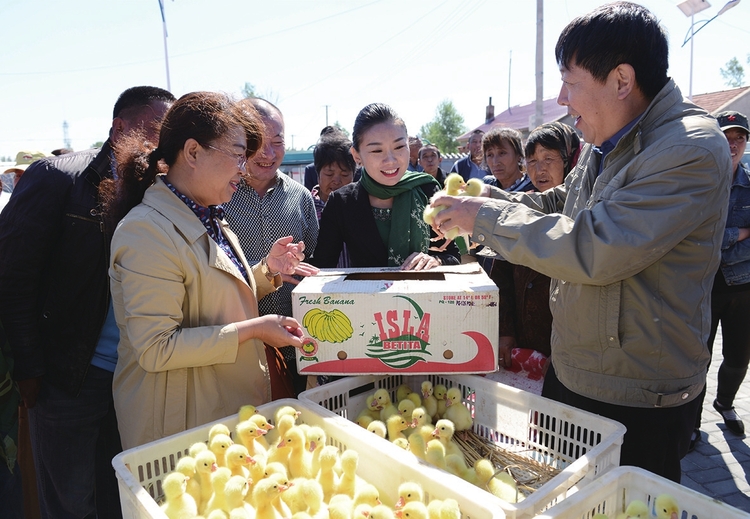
(590, 103)
(262, 166)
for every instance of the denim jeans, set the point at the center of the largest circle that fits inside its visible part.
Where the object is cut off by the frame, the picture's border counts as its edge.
(11, 494)
(74, 440)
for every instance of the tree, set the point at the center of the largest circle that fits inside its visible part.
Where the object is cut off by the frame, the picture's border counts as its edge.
(269, 95)
(444, 128)
(734, 74)
(344, 130)
(98, 144)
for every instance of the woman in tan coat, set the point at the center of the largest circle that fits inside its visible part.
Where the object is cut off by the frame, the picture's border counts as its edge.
(191, 342)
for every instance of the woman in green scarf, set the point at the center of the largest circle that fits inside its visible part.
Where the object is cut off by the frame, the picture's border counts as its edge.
(379, 217)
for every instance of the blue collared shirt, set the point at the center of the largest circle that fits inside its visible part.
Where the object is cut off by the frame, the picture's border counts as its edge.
(608, 145)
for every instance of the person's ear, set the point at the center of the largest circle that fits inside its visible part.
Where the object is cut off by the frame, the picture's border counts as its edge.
(625, 76)
(356, 156)
(119, 127)
(190, 152)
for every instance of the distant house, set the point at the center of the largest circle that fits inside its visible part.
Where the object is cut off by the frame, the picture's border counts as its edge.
(737, 99)
(519, 117)
(294, 163)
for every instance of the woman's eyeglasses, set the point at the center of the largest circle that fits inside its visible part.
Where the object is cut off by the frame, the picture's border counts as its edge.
(241, 159)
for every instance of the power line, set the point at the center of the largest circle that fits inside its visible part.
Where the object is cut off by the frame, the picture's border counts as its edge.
(191, 53)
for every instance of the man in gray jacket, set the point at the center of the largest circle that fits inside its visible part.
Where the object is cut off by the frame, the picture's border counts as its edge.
(631, 240)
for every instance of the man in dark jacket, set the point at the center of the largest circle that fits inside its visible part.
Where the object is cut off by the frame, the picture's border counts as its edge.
(56, 308)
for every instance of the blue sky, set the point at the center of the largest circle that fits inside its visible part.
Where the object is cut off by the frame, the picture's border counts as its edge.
(68, 61)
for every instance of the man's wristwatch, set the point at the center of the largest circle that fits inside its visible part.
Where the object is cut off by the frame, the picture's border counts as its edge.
(267, 271)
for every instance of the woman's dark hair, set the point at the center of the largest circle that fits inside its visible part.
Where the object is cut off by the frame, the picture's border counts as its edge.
(615, 34)
(371, 115)
(203, 116)
(496, 136)
(334, 148)
(556, 137)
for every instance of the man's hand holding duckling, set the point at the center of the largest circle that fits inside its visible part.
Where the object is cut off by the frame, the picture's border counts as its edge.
(459, 211)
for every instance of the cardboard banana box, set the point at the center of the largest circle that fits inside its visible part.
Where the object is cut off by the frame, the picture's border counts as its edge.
(383, 320)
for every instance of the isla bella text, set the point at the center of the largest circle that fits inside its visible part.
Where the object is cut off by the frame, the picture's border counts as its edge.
(393, 337)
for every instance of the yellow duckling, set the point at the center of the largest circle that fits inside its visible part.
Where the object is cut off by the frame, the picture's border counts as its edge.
(666, 507)
(327, 475)
(249, 434)
(348, 479)
(238, 460)
(187, 466)
(205, 465)
(378, 427)
(402, 392)
(381, 512)
(245, 412)
(417, 445)
(219, 445)
(456, 412)
(299, 460)
(413, 510)
(429, 402)
(406, 408)
(219, 428)
(315, 440)
(235, 493)
(444, 431)
(500, 484)
(396, 425)
(179, 504)
(435, 454)
(440, 392)
(385, 404)
(635, 509)
(219, 480)
(407, 492)
(265, 493)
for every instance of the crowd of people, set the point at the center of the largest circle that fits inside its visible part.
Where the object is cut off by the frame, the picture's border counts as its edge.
(151, 279)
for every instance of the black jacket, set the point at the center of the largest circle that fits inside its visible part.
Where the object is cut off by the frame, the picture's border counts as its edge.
(347, 218)
(54, 258)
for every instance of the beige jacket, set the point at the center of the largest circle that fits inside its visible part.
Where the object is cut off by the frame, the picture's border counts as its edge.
(174, 292)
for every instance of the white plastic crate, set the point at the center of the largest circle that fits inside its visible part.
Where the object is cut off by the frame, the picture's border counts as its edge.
(141, 470)
(581, 444)
(611, 494)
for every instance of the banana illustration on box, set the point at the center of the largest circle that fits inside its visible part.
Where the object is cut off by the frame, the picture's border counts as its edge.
(333, 326)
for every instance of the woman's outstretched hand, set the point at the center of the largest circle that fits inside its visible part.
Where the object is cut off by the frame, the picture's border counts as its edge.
(285, 257)
(274, 330)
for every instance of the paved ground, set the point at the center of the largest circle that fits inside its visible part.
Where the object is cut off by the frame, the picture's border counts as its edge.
(720, 464)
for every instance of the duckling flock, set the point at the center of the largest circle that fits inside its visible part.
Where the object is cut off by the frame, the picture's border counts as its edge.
(409, 424)
(296, 476)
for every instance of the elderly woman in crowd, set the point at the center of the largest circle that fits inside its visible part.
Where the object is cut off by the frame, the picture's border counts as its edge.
(192, 346)
(503, 154)
(379, 217)
(525, 318)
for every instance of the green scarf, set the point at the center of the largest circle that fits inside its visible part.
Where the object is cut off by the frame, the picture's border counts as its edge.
(409, 232)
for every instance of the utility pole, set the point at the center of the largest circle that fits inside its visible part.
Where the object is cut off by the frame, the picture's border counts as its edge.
(66, 138)
(539, 106)
(327, 114)
(166, 52)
